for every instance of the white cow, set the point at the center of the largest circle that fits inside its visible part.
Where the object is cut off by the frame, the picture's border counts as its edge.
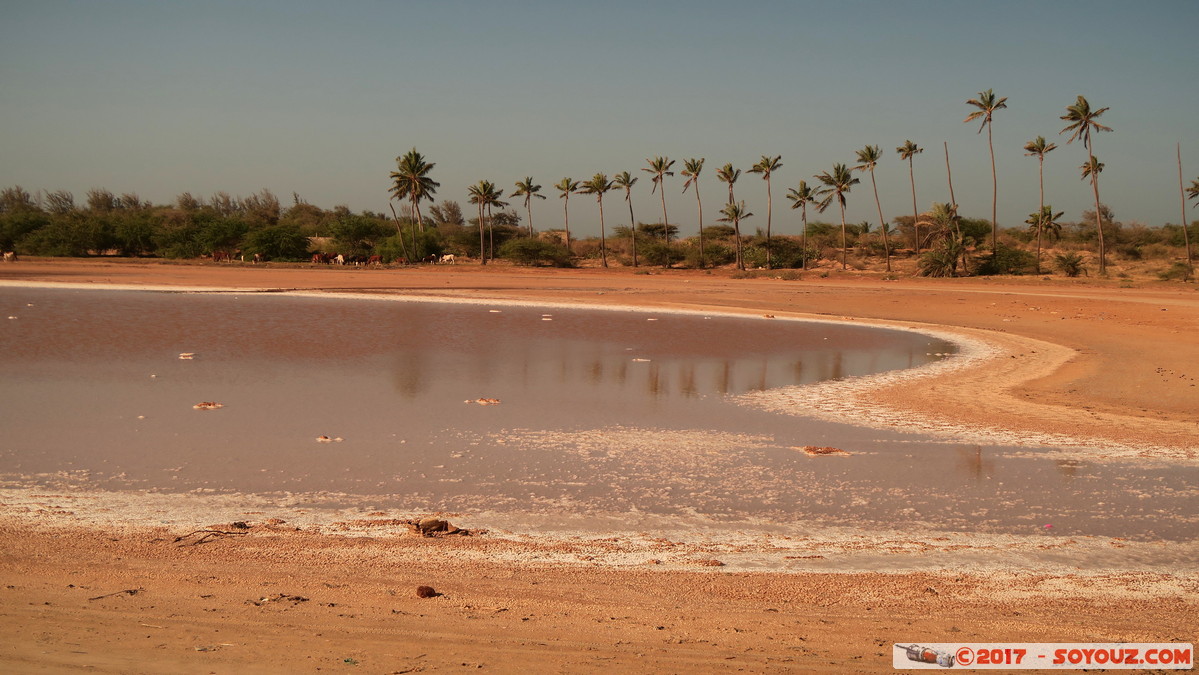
(448, 259)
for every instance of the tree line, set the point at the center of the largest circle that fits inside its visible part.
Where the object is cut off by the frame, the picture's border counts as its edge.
(943, 242)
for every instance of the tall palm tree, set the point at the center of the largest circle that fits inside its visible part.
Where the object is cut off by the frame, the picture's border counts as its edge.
(691, 169)
(1083, 121)
(493, 200)
(1039, 148)
(626, 181)
(837, 184)
(987, 104)
(567, 186)
(598, 185)
(734, 213)
(660, 168)
(525, 188)
(479, 196)
(906, 152)
(411, 181)
(727, 174)
(1186, 236)
(766, 166)
(868, 158)
(1043, 221)
(800, 198)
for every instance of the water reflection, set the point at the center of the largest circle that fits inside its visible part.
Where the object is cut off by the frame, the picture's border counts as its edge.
(601, 411)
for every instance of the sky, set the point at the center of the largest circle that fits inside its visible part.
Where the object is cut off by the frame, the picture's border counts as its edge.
(319, 98)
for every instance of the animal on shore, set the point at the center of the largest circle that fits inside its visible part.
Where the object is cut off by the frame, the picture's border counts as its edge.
(10, 256)
(375, 260)
(448, 259)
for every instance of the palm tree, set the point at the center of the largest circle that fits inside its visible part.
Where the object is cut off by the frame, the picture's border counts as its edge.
(837, 184)
(528, 190)
(1042, 221)
(987, 104)
(734, 213)
(766, 166)
(691, 169)
(598, 185)
(411, 181)
(479, 193)
(906, 152)
(660, 168)
(567, 186)
(493, 200)
(727, 174)
(1083, 121)
(1039, 148)
(626, 181)
(1186, 236)
(867, 159)
(800, 198)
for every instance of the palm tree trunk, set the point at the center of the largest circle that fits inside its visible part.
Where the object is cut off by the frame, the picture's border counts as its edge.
(1098, 215)
(482, 245)
(803, 239)
(915, 209)
(665, 222)
(737, 233)
(632, 229)
(844, 266)
(952, 200)
(1041, 212)
(882, 225)
(529, 209)
(1186, 237)
(769, 213)
(566, 210)
(603, 236)
(490, 233)
(399, 229)
(994, 197)
(701, 225)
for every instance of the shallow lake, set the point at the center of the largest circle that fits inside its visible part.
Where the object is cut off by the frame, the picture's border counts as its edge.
(605, 414)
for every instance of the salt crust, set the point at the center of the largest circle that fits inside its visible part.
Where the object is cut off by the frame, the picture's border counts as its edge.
(630, 540)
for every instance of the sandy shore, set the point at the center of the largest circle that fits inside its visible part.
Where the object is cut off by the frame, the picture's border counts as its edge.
(1105, 368)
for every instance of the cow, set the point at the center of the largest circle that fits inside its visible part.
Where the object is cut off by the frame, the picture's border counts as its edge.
(448, 259)
(339, 259)
(375, 260)
(221, 256)
(432, 259)
(258, 257)
(10, 256)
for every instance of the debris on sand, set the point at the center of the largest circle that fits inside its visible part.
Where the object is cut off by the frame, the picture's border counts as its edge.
(278, 597)
(325, 439)
(208, 405)
(187, 356)
(428, 527)
(820, 451)
(483, 401)
(426, 592)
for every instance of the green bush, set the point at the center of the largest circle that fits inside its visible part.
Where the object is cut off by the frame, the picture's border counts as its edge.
(525, 251)
(1007, 260)
(1069, 264)
(657, 252)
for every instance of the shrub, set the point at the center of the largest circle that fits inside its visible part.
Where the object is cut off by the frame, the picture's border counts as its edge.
(1007, 260)
(1070, 264)
(535, 252)
(660, 253)
(1180, 271)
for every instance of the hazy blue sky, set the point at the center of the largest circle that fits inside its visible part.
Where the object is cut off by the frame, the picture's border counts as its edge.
(319, 98)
